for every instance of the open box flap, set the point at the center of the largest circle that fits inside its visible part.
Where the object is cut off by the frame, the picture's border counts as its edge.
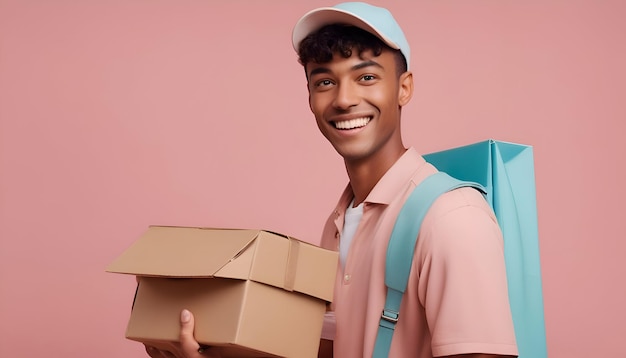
(168, 251)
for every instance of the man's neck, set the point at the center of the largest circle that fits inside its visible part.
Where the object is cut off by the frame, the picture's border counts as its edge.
(365, 174)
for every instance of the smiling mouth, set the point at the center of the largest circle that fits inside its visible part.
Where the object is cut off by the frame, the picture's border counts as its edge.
(352, 123)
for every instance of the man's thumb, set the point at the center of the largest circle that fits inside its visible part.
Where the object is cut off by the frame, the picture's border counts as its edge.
(186, 322)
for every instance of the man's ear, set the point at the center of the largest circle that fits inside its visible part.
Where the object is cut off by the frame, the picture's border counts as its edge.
(405, 90)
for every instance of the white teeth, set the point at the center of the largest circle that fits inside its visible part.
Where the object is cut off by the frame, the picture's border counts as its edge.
(352, 123)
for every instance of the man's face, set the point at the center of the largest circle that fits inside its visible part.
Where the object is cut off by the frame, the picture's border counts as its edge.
(356, 102)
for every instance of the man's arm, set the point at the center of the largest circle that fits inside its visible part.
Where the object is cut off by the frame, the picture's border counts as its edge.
(326, 351)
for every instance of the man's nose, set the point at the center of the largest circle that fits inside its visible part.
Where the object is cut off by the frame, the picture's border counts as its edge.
(346, 96)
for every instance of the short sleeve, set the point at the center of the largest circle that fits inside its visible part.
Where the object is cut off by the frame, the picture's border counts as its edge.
(462, 283)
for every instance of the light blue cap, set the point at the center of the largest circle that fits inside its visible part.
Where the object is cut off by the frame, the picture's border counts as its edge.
(375, 20)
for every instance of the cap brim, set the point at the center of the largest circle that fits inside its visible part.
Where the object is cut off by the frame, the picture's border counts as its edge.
(318, 18)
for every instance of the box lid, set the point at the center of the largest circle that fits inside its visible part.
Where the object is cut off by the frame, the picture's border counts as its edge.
(258, 255)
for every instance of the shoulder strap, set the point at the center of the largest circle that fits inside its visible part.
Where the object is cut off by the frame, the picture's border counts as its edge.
(402, 246)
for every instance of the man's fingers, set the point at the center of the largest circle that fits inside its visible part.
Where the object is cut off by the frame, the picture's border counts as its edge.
(188, 343)
(187, 346)
(154, 352)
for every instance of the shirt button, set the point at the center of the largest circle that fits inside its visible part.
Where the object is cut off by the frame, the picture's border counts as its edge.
(337, 213)
(346, 278)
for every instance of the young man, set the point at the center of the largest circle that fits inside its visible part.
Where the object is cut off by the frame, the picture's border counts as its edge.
(356, 60)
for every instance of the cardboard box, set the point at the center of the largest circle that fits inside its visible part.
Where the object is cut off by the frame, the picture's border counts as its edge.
(254, 293)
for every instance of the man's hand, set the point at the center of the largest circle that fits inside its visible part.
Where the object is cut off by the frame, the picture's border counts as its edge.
(187, 347)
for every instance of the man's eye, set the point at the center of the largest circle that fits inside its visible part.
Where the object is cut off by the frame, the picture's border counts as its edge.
(368, 78)
(324, 83)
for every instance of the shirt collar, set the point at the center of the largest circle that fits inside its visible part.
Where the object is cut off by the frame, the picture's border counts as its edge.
(387, 187)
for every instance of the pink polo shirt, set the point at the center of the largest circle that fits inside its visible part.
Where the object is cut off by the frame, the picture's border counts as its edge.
(456, 301)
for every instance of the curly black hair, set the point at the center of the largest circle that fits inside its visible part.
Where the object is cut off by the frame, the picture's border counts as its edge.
(321, 45)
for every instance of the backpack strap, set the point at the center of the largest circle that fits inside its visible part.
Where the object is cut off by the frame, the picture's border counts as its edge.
(402, 246)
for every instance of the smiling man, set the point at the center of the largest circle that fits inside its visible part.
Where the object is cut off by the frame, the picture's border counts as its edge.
(356, 59)
(357, 100)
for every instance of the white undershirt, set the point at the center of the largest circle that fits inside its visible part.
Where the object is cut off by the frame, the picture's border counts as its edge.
(351, 223)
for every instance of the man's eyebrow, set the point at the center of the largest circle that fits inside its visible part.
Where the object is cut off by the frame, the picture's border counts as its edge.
(364, 64)
(319, 70)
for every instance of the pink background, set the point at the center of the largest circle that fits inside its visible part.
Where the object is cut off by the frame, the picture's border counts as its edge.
(115, 115)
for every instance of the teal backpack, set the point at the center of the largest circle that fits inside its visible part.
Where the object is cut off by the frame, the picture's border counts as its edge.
(504, 172)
